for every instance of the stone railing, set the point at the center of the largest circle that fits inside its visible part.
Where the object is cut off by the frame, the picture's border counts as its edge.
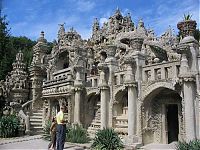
(161, 71)
(60, 84)
(121, 122)
(61, 76)
(93, 81)
(119, 78)
(64, 73)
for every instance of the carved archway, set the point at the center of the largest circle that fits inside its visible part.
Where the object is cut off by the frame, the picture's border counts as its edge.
(92, 113)
(154, 121)
(154, 88)
(120, 111)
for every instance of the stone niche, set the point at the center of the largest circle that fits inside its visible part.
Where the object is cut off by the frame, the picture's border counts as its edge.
(158, 123)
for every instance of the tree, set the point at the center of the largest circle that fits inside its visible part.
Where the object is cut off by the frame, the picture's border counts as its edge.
(6, 51)
(25, 45)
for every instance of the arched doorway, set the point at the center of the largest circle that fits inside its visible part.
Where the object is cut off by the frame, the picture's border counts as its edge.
(162, 116)
(62, 61)
(120, 112)
(93, 112)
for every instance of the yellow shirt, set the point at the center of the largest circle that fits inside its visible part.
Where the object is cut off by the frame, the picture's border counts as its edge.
(60, 117)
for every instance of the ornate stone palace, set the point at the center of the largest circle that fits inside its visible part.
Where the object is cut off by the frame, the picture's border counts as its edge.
(124, 77)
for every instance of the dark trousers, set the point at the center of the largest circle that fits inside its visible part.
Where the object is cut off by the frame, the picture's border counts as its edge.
(60, 137)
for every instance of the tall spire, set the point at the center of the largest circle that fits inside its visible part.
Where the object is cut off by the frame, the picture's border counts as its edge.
(140, 24)
(96, 26)
(61, 31)
(117, 12)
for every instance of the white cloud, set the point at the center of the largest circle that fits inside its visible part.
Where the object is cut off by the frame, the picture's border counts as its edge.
(165, 15)
(85, 5)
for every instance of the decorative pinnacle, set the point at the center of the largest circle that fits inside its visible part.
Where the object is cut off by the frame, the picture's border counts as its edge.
(42, 34)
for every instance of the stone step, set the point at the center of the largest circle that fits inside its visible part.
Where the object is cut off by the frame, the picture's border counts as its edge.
(122, 125)
(124, 130)
(36, 123)
(39, 110)
(36, 114)
(35, 117)
(35, 120)
(36, 127)
(122, 117)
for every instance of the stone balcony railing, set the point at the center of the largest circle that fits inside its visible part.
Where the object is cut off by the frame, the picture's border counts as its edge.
(119, 78)
(60, 84)
(93, 81)
(161, 71)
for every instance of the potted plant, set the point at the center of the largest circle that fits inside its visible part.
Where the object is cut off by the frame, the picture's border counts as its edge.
(187, 27)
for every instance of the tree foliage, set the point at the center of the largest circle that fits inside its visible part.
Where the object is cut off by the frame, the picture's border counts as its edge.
(9, 46)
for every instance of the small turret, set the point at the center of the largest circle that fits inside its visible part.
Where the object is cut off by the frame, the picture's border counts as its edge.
(61, 31)
(41, 38)
(96, 26)
(140, 24)
(18, 64)
(118, 14)
(141, 29)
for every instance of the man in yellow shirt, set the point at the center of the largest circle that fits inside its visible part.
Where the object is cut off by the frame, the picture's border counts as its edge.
(61, 129)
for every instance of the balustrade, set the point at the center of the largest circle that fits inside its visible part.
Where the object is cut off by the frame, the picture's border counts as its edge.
(162, 71)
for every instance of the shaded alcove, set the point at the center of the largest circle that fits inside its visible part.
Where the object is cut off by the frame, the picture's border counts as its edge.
(161, 116)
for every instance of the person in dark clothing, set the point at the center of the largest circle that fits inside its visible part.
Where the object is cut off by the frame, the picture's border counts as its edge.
(52, 144)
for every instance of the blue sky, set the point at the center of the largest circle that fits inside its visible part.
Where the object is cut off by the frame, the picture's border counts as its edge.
(30, 17)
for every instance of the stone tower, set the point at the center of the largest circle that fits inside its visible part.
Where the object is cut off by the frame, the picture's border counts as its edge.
(17, 82)
(38, 67)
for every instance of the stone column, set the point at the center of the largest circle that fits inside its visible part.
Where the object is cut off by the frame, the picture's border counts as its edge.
(112, 66)
(189, 93)
(33, 91)
(189, 97)
(77, 108)
(104, 106)
(104, 94)
(132, 100)
(78, 85)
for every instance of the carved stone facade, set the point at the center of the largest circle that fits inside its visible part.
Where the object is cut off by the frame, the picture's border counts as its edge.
(123, 77)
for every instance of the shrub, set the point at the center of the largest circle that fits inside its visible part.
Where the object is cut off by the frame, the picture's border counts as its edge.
(192, 145)
(77, 134)
(187, 17)
(46, 130)
(9, 126)
(107, 139)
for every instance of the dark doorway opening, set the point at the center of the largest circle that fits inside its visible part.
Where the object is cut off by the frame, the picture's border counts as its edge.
(172, 122)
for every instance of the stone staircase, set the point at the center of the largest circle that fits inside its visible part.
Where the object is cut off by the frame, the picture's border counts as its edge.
(96, 122)
(36, 122)
(121, 123)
